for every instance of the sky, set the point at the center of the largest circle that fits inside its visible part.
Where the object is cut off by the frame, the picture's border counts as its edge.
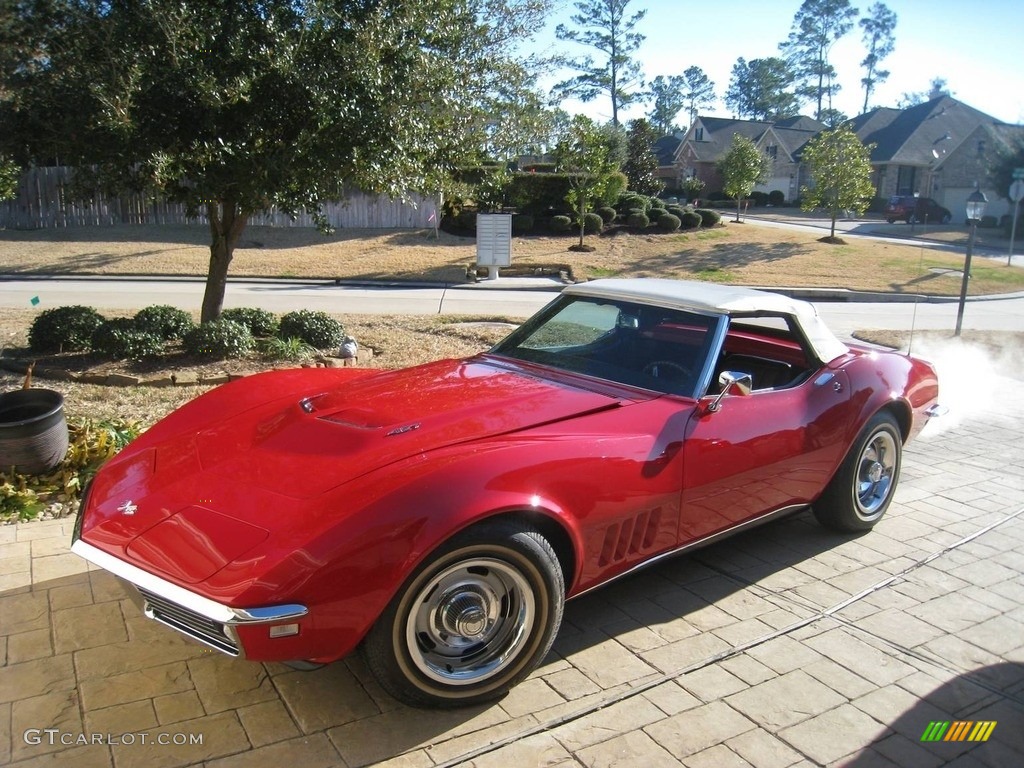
(976, 45)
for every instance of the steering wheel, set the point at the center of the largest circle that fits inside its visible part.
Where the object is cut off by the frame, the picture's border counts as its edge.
(659, 368)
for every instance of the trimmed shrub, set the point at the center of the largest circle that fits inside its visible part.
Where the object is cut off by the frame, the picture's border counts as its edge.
(260, 322)
(64, 329)
(675, 210)
(708, 217)
(759, 199)
(219, 339)
(638, 219)
(522, 223)
(657, 204)
(466, 220)
(668, 222)
(592, 223)
(561, 224)
(164, 321)
(631, 201)
(777, 198)
(607, 213)
(318, 329)
(690, 220)
(122, 339)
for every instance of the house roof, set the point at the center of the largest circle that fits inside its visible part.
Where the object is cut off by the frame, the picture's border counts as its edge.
(918, 135)
(665, 149)
(792, 134)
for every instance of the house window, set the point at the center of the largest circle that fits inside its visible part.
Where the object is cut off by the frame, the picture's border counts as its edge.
(698, 134)
(772, 150)
(905, 177)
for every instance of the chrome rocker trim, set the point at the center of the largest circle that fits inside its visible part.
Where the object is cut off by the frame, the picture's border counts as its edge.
(146, 582)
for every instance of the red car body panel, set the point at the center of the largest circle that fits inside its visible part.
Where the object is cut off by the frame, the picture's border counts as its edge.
(327, 488)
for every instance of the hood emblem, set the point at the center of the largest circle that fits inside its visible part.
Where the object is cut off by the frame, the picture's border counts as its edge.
(402, 430)
(128, 508)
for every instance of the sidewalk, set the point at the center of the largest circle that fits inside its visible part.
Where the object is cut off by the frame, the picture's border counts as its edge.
(786, 646)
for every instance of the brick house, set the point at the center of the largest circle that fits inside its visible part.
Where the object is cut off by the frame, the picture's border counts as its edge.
(709, 138)
(937, 149)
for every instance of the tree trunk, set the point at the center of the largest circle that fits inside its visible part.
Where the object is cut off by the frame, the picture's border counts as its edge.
(737, 209)
(226, 225)
(583, 223)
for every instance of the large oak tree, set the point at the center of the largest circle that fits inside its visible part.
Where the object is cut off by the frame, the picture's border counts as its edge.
(236, 106)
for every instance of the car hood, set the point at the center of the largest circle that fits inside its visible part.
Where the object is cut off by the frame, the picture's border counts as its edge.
(324, 440)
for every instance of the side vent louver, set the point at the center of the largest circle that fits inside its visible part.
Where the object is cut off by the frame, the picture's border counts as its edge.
(630, 537)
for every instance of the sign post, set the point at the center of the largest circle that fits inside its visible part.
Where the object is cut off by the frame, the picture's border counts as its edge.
(1016, 193)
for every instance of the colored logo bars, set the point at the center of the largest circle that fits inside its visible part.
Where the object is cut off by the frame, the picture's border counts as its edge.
(958, 730)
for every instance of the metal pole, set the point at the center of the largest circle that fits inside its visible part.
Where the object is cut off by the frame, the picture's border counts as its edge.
(967, 276)
(1013, 231)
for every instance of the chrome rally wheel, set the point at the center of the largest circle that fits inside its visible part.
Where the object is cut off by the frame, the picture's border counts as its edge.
(863, 486)
(471, 622)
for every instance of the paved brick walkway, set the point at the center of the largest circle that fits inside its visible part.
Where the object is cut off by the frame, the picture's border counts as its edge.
(786, 646)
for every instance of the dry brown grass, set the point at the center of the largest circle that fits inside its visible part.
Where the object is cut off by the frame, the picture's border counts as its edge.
(743, 254)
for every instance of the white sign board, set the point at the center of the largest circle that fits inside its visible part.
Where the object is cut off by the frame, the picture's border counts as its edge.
(1017, 190)
(494, 239)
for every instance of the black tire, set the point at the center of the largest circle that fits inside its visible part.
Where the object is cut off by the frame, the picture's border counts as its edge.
(863, 486)
(946, 218)
(891, 221)
(473, 621)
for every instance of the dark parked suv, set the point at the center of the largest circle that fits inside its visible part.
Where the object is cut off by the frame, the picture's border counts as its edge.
(916, 210)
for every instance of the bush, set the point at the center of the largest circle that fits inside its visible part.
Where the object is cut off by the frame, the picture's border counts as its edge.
(122, 339)
(592, 223)
(522, 223)
(561, 224)
(708, 218)
(690, 220)
(219, 339)
(631, 201)
(607, 214)
(294, 350)
(759, 199)
(260, 322)
(777, 198)
(668, 222)
(164, 322)
(638, 219)
(675, 210)
(64, 329)
(656, 204)
(318, 329)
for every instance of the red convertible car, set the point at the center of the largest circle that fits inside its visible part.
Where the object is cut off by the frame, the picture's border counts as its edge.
(438, 517)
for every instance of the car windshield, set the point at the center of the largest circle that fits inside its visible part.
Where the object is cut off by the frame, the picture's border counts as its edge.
(665, 350)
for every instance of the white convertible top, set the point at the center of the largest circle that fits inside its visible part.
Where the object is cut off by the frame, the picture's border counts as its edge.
(718, 299)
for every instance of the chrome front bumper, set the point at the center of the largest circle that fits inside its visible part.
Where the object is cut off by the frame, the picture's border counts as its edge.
(202, 619)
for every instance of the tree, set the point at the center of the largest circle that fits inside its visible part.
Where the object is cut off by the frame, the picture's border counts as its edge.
(742, 168)
(236, 106)
(760, 90)
(1008, 159)
(840, 167)
(668, 102)
(585, 155)
(604, 26)
(816, 26)
(877, 27)
(641, 167)
(698, 91)
(9, 175)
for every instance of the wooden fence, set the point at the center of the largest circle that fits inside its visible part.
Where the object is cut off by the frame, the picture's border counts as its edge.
(42, 203)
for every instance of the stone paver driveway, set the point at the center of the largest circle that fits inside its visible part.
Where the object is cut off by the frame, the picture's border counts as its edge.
(786, 646)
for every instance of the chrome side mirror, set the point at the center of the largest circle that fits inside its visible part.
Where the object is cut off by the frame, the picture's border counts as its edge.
(731, 383)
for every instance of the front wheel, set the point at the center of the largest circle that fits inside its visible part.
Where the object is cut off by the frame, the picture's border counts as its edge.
(946, 218)
(863, 487)
(472, 622)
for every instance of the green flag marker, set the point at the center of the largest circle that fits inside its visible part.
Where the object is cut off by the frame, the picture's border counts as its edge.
(35, 301)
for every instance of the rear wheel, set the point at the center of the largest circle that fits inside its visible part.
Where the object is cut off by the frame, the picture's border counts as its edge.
(472, 622)
(863, 487)
(946, 218)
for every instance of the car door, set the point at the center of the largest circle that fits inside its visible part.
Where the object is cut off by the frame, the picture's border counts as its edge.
(762, 452)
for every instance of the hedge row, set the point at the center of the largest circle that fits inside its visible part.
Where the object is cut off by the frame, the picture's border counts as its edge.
(146, 335)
